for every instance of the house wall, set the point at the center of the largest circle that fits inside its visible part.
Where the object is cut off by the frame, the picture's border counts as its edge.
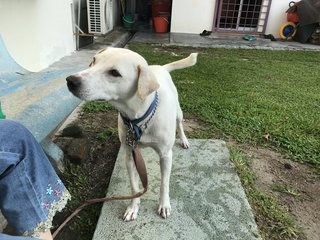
(193, 16)
(277, 16)
(37, 32)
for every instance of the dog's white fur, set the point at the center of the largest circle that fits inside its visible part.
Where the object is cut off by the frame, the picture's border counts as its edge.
(124, 78)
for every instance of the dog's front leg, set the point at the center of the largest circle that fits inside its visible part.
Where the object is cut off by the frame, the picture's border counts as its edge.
(165, 165)
(132, 210)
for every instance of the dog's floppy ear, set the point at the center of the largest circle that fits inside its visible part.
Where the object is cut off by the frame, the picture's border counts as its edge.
(147, 82)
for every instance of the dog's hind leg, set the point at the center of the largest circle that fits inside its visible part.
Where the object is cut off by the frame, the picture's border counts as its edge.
(185, 142)
(133, 209)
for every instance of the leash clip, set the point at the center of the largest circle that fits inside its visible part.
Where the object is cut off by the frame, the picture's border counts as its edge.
(131, 140)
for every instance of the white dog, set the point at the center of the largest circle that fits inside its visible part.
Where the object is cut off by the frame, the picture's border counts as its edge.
(137, 90)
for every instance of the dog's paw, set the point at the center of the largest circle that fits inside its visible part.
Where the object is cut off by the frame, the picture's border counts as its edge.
(131, 213)
(185, 143)
(164, 211)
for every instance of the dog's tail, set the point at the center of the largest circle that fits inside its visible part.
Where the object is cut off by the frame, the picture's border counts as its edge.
(183, 63)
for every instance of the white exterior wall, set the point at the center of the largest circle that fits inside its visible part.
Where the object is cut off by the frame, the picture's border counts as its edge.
(277, 16)
(194, 16)
(37, 32)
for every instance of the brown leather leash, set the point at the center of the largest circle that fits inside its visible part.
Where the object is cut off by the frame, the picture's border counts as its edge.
(142, 171)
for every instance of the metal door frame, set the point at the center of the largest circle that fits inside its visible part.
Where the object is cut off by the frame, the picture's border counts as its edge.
(261, 20)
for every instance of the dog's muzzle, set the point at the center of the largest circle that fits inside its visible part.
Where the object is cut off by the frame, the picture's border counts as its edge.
(73, 83)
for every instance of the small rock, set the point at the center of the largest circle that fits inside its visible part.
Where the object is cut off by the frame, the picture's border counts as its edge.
(78, 150)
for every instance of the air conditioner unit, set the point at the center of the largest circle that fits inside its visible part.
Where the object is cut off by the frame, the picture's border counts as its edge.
(100, 16)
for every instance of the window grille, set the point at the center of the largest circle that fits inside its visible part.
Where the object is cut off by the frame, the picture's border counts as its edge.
(243, 15)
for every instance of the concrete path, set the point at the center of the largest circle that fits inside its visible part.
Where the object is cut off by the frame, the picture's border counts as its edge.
(219, 41)
(207, 199)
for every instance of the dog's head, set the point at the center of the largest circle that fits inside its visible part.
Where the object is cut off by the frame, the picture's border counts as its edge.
(114, 74)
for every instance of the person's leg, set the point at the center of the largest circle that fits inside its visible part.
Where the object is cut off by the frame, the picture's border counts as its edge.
(42, 236)
(8, 237)
(31, 192)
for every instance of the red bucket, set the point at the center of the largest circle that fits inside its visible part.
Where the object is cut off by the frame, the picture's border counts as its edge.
(161, 24)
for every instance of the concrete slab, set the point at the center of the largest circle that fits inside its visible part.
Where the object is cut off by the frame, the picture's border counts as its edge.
(219, 41)
(117, 38)
(10, 70)
(207, 199)
(148, 37)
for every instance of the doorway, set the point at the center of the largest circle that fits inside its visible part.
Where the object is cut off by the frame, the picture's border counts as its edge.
(145, 10)
(242, 16)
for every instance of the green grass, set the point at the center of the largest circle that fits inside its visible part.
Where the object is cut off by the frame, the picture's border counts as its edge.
(104, 135)
(76, 178)
(285, 189)
(96, 106)
(248, 93)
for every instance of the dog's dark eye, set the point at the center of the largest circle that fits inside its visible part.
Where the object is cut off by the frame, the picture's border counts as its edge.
(115, 73)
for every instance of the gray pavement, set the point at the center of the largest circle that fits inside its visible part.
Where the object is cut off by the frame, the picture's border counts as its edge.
(207, 199)
(219, 41)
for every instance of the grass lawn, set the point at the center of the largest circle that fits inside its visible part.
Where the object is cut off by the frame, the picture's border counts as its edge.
(258, 97)
(251, 95)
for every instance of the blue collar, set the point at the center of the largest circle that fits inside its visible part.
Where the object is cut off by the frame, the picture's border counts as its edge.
(133, 124)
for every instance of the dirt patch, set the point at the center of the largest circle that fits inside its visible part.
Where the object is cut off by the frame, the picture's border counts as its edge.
(295, 185)
(191, 124)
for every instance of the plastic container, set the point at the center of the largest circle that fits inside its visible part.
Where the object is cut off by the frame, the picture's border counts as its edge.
(128, 21)
(159, 6)
(161, 24)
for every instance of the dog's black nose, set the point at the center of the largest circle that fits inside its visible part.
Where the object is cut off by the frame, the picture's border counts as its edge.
(73, 82)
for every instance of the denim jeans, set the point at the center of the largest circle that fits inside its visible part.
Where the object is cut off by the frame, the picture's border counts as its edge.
(30, 190)
(7, 237)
